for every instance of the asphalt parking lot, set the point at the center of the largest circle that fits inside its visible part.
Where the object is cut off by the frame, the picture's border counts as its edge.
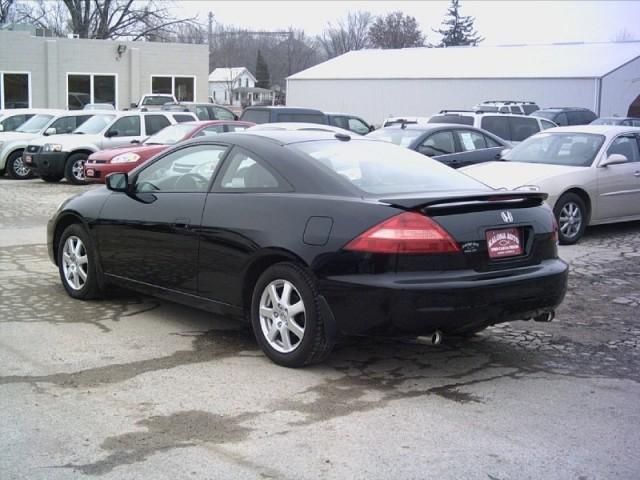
(133, 387)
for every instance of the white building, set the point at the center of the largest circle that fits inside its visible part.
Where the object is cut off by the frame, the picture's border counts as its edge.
(375, 84)
(236, 87)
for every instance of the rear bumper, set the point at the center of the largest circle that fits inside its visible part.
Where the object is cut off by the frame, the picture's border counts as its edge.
(420, 303)
(97, 172)
(46, 163)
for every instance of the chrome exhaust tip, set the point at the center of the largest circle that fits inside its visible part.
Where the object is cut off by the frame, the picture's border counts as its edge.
(433, 339)
(545, 317)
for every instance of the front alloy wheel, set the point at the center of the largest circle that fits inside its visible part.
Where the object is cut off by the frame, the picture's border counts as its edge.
(74, 169)
(571, 215)
(16, 168)
(75, 263)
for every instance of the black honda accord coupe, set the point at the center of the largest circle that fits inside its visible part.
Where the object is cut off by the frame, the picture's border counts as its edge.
(312, 235)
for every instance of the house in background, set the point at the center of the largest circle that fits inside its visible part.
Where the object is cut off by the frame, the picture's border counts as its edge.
(237, 87)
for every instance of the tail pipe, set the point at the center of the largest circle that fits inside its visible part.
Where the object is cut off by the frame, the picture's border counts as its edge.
(433, 339)
(545, 317)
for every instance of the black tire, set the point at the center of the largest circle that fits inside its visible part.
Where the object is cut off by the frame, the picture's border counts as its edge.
(564, 204)
(315, 344)
(72, 168)
(51, 178)
(90, 288)
(16, 169)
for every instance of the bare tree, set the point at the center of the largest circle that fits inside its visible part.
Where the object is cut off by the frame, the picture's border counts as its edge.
(52, 17)
(625, 35)
(347, 34)
(107, 18)
(6, 10)
(396, 31)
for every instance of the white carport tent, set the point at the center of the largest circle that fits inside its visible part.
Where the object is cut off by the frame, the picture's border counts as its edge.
(375, 84)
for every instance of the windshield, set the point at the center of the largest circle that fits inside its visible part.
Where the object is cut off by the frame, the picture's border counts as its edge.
(453, 118)
(95, 124)
(156, 100)
(383, 168)
(399, 136)
(170, 135)
(607, 121)
(570, 149)
(34, 124)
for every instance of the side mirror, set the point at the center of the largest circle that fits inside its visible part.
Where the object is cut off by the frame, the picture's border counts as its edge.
(118, 182)
(50, 131)
(111, 133)
(503, 153)
(371, 128)
(236, 117)
(133, 105)
(614, 159)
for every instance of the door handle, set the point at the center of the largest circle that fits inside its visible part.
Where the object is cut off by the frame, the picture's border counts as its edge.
(182, 223)
(636, 173)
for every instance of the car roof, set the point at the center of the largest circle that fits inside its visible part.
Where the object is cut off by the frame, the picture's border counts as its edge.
(35, 111)
(288, 137)
(597, 129)
(299, 126)
(282, 108)
(426, 127)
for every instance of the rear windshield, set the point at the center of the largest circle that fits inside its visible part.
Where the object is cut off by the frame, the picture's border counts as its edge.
(256, 116)
(300, 117)
(545, 114)
(170, 135)
(529, 108)
(34, 124)
(156, 100)
(607, 121)
(382, 168)
(399, 136)
(459, 119)
(95, 124)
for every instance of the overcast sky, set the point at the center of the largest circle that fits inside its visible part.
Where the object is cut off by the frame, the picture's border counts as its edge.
(501, 22)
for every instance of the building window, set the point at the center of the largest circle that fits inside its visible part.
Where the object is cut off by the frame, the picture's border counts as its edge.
(183, 88)
(84, 88)
(15, 91)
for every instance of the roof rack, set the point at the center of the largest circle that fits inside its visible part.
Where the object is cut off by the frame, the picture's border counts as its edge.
(458, 111)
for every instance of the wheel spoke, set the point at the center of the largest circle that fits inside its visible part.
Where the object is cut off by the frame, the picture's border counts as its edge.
(78, 247)
(76, 279)
(65, 256)
(296, 329)
(273, 294)
(286, 340)
(266, 312)
(82, 260)
(273, 331)
(82, 274)
(286, 293)
(296, 309)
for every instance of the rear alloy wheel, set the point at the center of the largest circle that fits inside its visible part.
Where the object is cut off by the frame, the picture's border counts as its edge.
(76, 263)
(571, 215)
(74, 168)
(286, 317)
(16, 168)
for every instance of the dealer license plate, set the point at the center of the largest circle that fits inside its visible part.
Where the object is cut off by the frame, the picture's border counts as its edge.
(504, 243)
(28, 159)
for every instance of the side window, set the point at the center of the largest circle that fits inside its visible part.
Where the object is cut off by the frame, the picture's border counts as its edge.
(522, 128)
(503, 110)
(247, 172)
(636, 123)
(210, 131)
(340, 122)
(546, 124)
(574, 118)
(358, 126)
(181, 118)
(186, 170)
(627, 146)
(497, 125)
(256, 116)
(80, 119)
(516, 110)
(561, 120)
(529, 109)
(222, 114)
(300, 117)
(440, 143)
(203, 113)
(9, 124)
(491, 143)
(470, 140)
(154, 123)
(64, 125)
(587, 117)
(125, 127)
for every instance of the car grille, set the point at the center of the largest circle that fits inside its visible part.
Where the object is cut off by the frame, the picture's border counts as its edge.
(34, 148)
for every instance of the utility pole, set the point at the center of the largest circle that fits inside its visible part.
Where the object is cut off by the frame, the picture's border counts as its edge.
(210, 39)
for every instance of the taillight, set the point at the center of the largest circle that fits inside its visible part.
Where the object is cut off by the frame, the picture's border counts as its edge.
(408, 232)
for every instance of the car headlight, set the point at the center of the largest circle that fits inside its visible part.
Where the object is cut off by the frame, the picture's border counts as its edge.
(52, 147)
(126, 158)
(528, 188)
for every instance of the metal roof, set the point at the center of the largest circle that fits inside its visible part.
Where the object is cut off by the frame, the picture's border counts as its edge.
(558, 60)
(228, 74)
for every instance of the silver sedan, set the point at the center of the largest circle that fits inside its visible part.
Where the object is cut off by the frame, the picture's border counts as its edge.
(591, 173)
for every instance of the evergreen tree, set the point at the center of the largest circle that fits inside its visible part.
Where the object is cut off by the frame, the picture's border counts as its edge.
(458, 30)
(262, 72)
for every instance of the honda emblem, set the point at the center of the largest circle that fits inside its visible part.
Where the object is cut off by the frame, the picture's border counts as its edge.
(507, 217)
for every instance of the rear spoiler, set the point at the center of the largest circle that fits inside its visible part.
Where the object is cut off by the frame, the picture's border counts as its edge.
(457, 199)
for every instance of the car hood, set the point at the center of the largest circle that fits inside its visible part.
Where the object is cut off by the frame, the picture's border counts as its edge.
(68, 140)
(512, 175)
(6, 137)
(145, 151)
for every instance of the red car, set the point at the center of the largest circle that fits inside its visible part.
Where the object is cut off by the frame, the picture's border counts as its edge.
(124, 159)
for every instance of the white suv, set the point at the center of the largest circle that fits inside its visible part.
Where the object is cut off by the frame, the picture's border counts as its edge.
(43, 125)
(507, 106)
(65, 155)
(512, 128)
